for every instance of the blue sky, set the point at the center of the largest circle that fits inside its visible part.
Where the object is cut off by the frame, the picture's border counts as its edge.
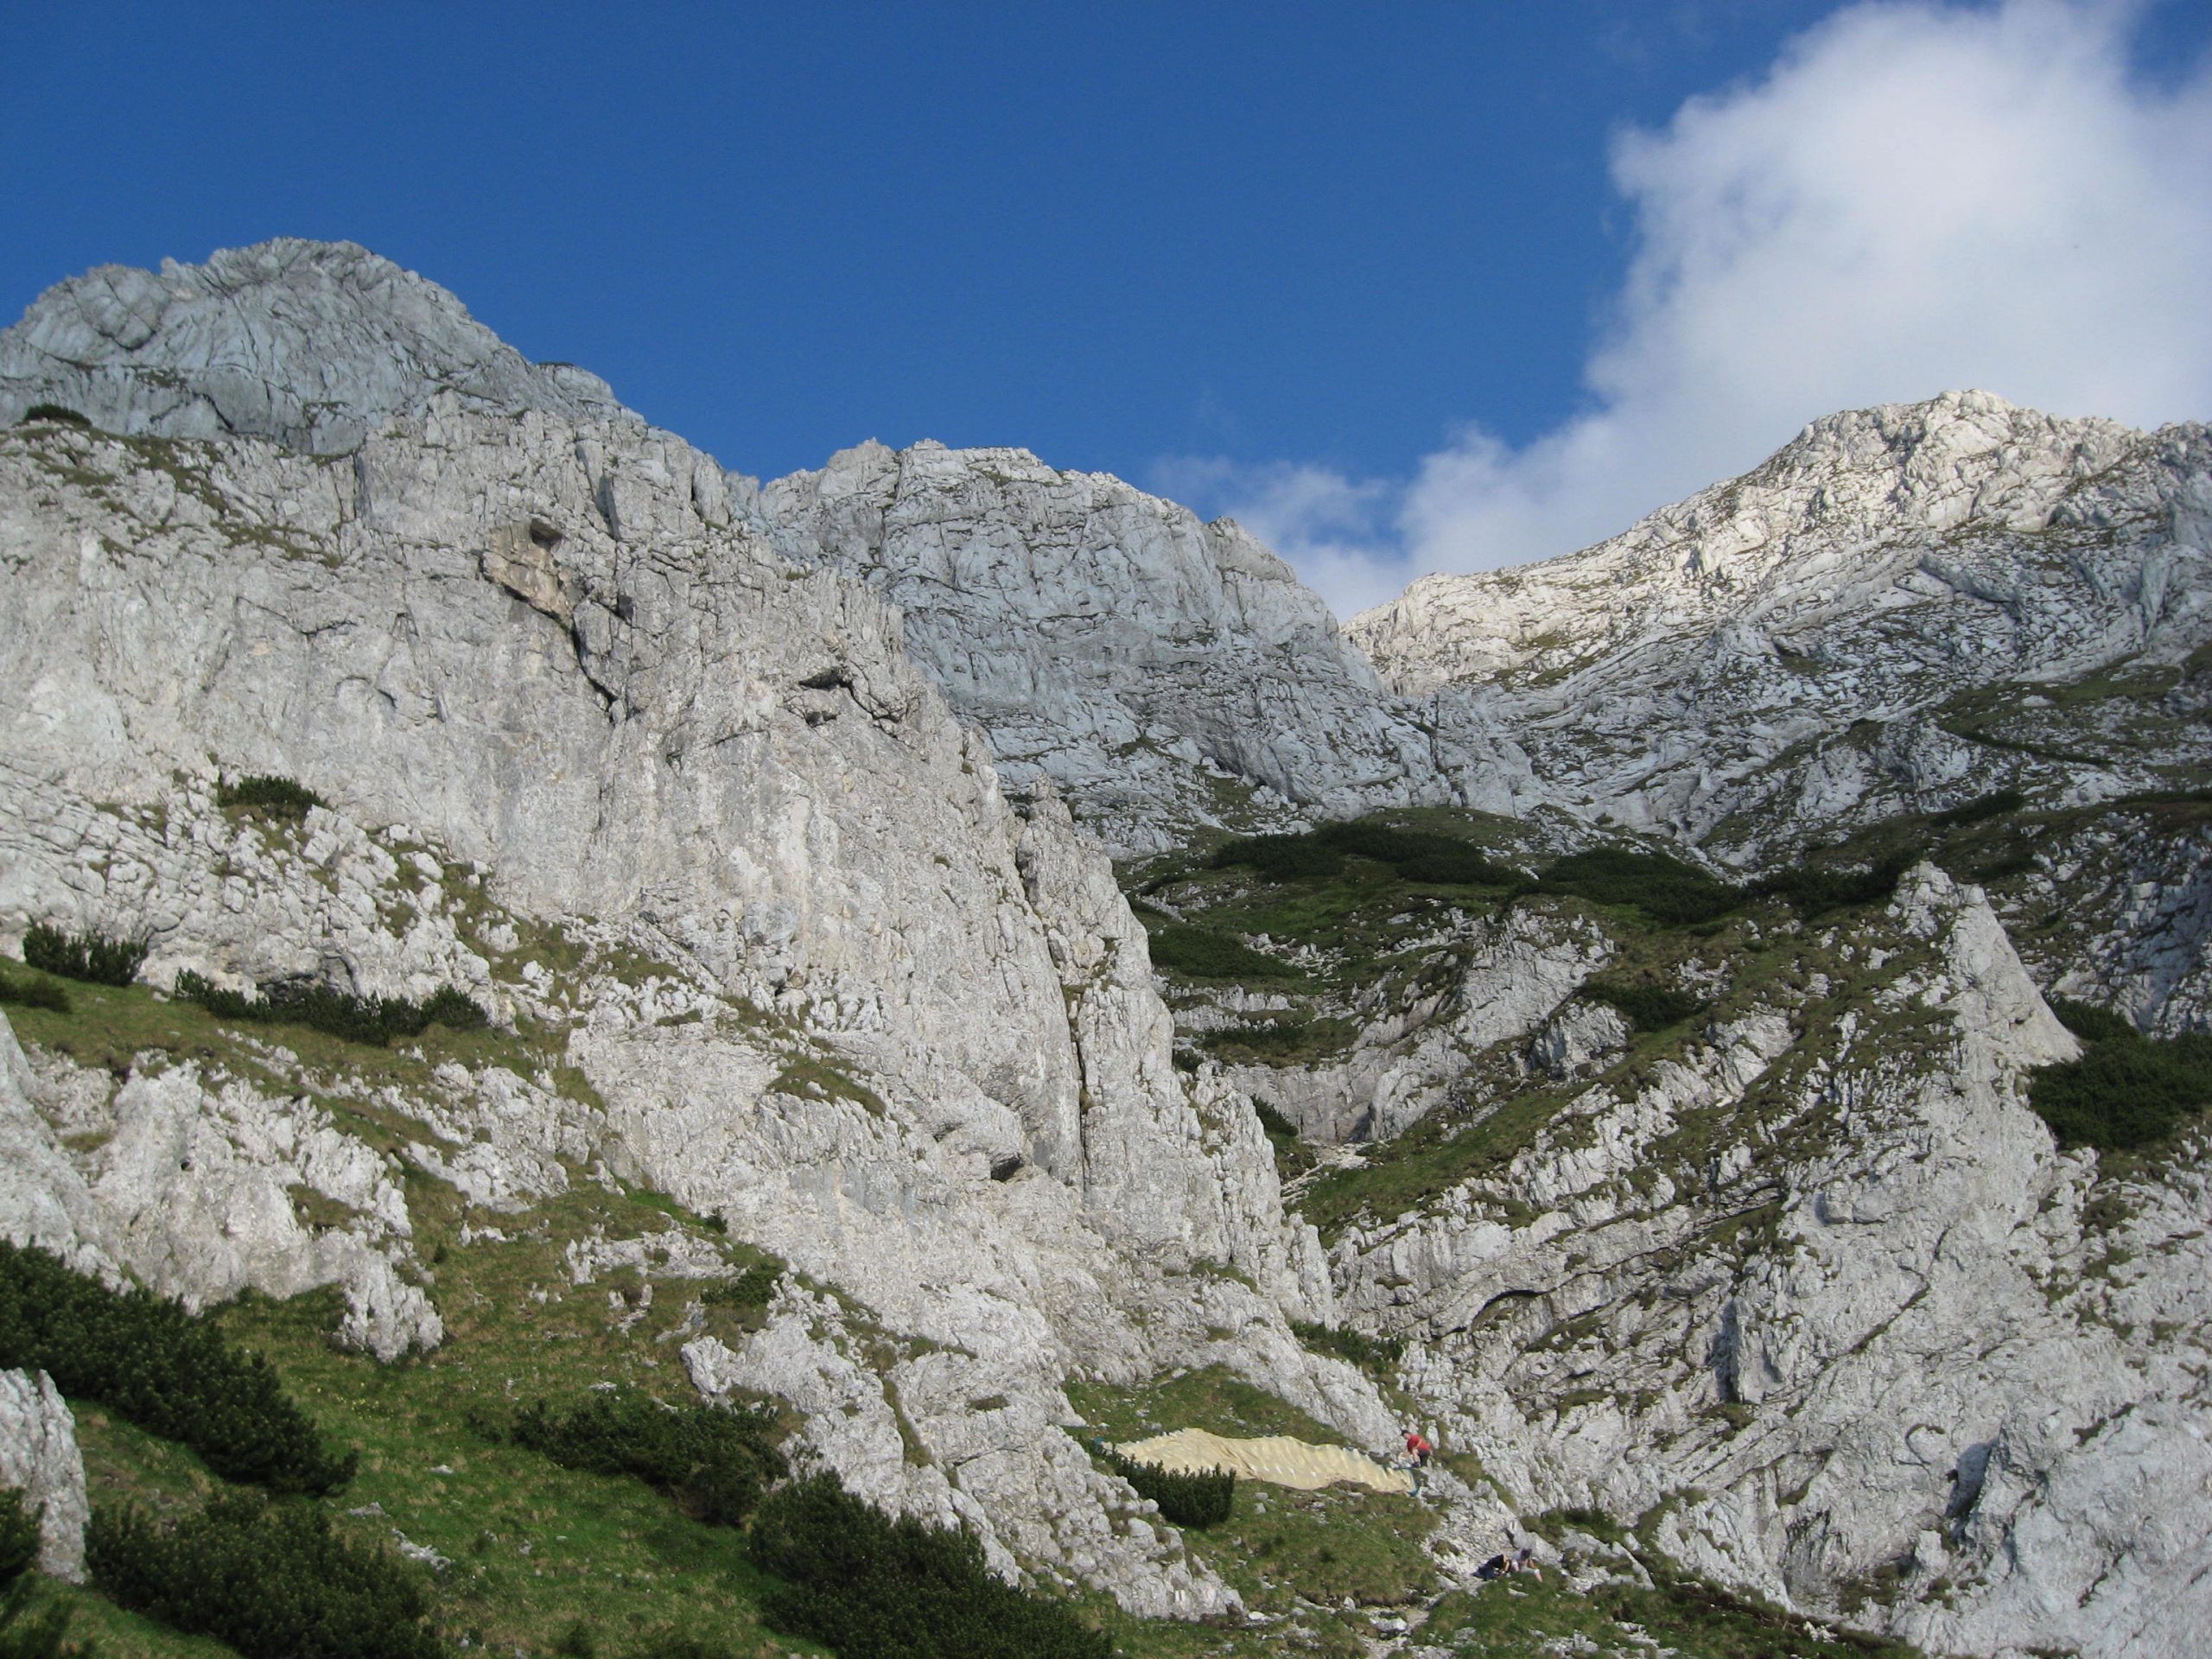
(1365, 275)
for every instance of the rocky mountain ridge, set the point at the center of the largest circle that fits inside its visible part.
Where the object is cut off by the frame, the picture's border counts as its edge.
(747, 817)
(1799, 651)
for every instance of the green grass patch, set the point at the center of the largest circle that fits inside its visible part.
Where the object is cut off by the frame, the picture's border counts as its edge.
(1524, 1618)
(1285, 1551)
(804, 1075)
(33, 991)
(1292, 1156)
(1435, 1155)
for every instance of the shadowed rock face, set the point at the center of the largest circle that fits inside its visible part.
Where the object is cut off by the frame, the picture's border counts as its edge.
(1156, 668)
(314, 344)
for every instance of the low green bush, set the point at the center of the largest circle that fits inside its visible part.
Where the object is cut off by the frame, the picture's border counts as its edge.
(1978, 811)
(1272, 1124)
(375, 1021)
(1415, 855)
(1289, 1040)
(56, 413)
(168, 1371)
(281, 797)
(2127, 1091)
(2091, 1023)
(1816, 889)
(751, 1289)
(271, 1580)
(875, 1587)
(1645, 1005)
(1204, 953)
(715, 1462)
(1663, 886)
(455, 1010)
(33, 994)
(18, 1537)
(1279, 858)
(92, 958)
(1195, 1500)
(1377, 1354)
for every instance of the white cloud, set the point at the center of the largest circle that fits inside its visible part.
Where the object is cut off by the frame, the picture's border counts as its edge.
(1914, 197)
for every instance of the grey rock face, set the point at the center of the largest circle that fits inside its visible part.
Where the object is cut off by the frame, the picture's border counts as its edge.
(39, 1458)
(900, 1026)
(1156, 668)
(314, 344)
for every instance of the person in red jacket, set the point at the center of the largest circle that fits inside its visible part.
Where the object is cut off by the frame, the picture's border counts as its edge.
(1418, 1454)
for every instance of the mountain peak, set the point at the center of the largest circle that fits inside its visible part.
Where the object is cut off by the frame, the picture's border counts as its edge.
(315, 345)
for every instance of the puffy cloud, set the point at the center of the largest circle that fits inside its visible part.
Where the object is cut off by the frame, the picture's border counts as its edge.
(1914, 197)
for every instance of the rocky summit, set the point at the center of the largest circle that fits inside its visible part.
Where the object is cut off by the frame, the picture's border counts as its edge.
(659, 1004)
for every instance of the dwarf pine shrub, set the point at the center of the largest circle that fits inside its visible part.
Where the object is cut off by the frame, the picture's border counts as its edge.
(1187, 1500)
(375, 1021)
(1646, 1006)
(2126, 1091)
(715, 1462)
(1416, 855)
(749, 1292)
(168, 1372)
(1206, 953)
(875, 1587)
(1663, 887)
(1816, 889)
(1377, 1354)
(269, 1579)
(92, 958)
(279, 798)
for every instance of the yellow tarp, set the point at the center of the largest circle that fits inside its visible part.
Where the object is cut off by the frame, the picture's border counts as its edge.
(1277, 1458)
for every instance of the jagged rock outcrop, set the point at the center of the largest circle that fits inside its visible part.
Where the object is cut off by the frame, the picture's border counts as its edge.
(195, 1186)
(39, 1458)
(1157, 669)
(1796, 651)
(1822, 1296)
